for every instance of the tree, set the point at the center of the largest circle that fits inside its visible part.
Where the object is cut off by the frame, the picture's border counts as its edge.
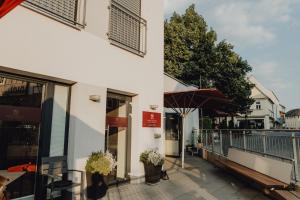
(192, 50)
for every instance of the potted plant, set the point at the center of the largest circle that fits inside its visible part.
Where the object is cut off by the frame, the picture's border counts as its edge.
(153, 162)
(98, 166)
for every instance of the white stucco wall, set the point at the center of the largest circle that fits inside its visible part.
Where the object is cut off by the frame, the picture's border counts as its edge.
(192, 120)
(35, 43)
(293, 122)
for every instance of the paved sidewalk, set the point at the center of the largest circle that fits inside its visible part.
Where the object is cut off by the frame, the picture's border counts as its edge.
(200, 180)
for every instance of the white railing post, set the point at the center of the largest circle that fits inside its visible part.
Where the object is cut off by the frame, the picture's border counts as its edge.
(295, 156)
(221, 143)
(230, 138)
(206, 139)
(264, 143)
(245, 142)
(212, 142)
(201, 136)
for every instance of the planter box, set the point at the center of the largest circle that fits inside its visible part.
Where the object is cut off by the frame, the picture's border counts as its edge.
(96, 185)
(152, 173)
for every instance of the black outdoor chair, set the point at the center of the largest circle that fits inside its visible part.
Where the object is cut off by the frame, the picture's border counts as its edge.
(56, 169)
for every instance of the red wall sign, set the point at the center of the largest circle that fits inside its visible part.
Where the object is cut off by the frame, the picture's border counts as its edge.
(8, 5)
(151, 119)
(117, 121)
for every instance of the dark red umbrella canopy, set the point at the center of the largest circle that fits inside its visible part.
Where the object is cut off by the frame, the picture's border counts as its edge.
(8, 5)
(207, 99)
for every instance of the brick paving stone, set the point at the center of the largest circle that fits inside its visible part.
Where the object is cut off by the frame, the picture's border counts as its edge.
(200, 180)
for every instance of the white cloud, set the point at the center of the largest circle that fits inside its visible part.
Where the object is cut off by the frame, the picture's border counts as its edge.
(174, 5)
(270, 73)
(248, 23)
(177, 5)
(243, 22)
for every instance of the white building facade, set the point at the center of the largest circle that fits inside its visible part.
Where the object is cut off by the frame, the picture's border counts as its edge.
(173, 123)
(266, 112)
(292, 119)
(88, 70)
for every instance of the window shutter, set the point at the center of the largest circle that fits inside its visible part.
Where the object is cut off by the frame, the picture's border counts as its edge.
(132, 5)
(66, 9)
(127, 28)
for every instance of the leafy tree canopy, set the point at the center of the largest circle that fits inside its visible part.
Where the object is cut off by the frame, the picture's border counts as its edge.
(192, 50)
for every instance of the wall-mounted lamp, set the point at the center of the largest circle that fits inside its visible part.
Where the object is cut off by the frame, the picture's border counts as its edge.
(95, 98)
(157, 135)
(153, 107)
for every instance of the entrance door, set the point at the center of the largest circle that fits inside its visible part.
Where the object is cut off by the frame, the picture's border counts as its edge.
(173, 127)
(20, 117)
(117, 139)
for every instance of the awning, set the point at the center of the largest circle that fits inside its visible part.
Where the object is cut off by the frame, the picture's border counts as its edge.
(207, 99)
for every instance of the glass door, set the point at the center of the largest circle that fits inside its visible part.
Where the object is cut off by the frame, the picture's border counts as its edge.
(173, 134)
(117, 133)
(20, 118)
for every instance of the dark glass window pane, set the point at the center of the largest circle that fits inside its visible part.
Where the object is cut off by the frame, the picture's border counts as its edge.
(20, 113)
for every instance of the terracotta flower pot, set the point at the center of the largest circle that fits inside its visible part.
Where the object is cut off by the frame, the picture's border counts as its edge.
(152, 173)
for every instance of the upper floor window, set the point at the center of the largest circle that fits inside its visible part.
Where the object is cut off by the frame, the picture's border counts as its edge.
(126, 28)
(67, 11)
(258, 105)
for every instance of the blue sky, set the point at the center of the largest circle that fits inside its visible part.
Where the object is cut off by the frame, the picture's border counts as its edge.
(264, 32)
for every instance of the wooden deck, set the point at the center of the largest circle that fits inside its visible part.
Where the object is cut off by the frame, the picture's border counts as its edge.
(263, 180)
(272, 187)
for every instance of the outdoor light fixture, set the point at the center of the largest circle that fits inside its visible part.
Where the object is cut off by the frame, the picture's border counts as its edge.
(153, 107)
(95, 98)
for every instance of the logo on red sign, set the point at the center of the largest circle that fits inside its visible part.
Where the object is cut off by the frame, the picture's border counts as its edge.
(151, 119)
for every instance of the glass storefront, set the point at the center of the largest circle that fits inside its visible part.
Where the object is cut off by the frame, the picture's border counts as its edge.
(33, 124)
(173, 127)
(118, 133)
(20, 117)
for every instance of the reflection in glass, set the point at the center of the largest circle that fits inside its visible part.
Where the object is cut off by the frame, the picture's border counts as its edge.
(173, 123)
(20, 113)
(116, 135)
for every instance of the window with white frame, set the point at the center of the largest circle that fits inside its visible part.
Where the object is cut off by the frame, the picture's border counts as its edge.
(127, 29)
(258, 105)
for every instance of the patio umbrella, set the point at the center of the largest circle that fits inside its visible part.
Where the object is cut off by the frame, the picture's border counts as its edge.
(8, 5)
(185, 102)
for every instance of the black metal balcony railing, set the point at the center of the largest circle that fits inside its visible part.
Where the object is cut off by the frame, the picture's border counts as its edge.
(127, 29)
(71, 12)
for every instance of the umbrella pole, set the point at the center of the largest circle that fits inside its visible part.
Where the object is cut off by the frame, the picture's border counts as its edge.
(183, 142)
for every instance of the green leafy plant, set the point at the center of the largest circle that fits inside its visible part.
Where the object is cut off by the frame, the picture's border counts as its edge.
(152, 157)
(100, 162)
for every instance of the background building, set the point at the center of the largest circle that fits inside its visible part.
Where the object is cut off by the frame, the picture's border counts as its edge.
(266, 112)
(87, 70)
(292, 119)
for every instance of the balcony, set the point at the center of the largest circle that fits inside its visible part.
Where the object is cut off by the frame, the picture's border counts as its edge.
(69, 12)
(127, 30)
